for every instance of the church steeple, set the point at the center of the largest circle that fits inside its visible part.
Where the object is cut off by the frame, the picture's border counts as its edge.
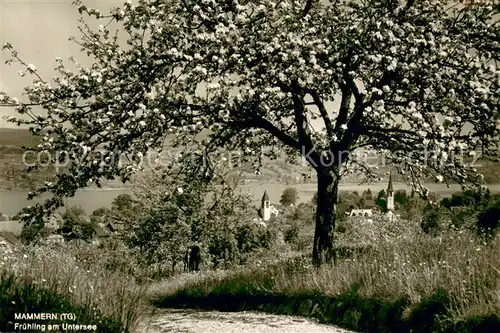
(390, 190)
(265, 208)
(265, 197)
(390, 194)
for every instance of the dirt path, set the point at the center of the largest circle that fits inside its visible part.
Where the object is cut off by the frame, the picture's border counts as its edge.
(192, 321)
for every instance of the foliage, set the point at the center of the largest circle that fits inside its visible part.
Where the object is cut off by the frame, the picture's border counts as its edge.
(124, 210)
(177, 210)
(292, 233)
(52, 279)
(434, 220)
(488, 222)
(467, 198)
(33, 229)
(367, 194)
(123, 201)
(413, 211)
(289, 196)
(31, 234)
(251, 237)
(406, 76)
(401, 198)
(99, 215)
(351, 198)
(304, 213)
(224, 249)
(78, 223)
(417, 284)
(32, 298)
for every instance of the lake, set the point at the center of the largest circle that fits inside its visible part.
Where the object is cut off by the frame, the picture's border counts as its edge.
(13, 201)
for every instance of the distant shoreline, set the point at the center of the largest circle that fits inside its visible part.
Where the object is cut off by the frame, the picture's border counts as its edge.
(442, 187)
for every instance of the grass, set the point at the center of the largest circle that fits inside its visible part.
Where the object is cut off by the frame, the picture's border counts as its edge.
(43, 279)
(418, 284)
(28, 298)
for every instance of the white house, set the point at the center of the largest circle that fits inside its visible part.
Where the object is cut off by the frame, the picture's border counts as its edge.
(361, 212)
(55, 239)
(266, 209)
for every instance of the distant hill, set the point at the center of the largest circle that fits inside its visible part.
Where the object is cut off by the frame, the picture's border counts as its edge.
(13, 173)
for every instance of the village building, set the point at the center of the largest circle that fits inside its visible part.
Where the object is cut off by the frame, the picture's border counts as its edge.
(370, 209)
(390, 198)
(55, 239)
(266, 209)
(54, 222)
(14, 227)
(361, 212)
(8, 240)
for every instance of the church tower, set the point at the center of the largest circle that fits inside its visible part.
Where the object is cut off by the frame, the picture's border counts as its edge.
(265, 208)
(390, 195)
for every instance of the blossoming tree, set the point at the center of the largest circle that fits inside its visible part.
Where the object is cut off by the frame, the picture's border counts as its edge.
(409, 76)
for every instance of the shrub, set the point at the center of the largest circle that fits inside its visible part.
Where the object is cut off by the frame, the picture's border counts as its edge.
(488, 221)
(434, 220)
(252, 237)
(292, 233)
(290, 196)
(223, 250)
(304, 213)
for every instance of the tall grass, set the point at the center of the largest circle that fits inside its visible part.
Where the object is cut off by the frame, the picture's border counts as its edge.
(114, 295)
(456, 272)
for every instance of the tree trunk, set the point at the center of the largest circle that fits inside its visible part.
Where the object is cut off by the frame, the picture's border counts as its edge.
(328, 182)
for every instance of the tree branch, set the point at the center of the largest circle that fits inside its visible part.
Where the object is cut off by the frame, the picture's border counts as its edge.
(324, 114)
(307, 8)
(299, 113)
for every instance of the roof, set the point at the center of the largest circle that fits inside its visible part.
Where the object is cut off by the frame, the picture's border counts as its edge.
(389, 187)
(9, 238)
(370, 203)
(265, 197)
(53, 236)
(113, 226)
(100, 232)
(77, 242)
(15, 227)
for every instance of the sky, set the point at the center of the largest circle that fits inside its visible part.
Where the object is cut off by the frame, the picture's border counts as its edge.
(39, 31)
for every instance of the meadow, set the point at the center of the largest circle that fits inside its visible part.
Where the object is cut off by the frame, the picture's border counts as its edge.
(46, 279)
(404, 282)
(390, 275)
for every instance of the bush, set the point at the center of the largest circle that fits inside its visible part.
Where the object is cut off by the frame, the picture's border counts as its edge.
(223, 250)
(488, 221)
(292, 233)
(290, 196)
(251, 237)
(434, 220)
(304, 213)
